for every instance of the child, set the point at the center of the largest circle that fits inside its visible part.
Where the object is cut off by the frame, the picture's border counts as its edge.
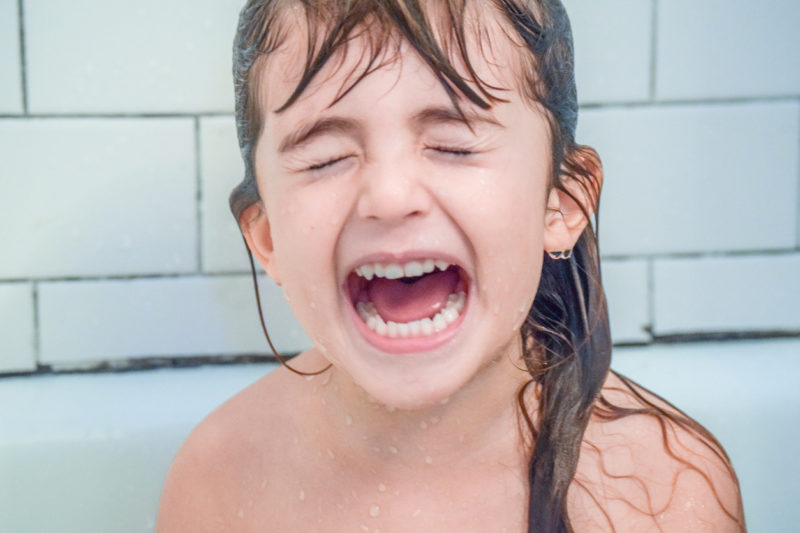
(413, 183)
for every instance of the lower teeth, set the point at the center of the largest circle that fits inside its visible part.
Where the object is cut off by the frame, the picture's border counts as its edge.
(416, 328)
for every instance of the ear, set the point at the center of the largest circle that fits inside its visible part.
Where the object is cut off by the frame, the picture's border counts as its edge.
(255, 227)
(564, 218)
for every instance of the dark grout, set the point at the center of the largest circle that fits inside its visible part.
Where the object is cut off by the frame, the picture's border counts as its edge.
(23, 62)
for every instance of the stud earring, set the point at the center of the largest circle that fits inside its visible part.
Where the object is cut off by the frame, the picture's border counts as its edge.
(566, 254)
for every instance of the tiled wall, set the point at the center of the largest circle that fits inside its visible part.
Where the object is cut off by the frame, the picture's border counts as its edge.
(117, 152)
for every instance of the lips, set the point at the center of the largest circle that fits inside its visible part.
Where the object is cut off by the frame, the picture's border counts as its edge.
(408, 306)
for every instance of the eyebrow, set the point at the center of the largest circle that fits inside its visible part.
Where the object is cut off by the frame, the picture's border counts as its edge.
(306, 132)
(349, 127)
(449, 115)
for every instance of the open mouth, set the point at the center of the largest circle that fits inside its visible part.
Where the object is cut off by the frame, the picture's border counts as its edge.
(415, 300)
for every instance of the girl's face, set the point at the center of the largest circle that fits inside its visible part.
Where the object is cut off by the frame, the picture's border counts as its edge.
(389, 179)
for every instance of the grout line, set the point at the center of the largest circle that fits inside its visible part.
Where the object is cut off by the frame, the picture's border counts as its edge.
(644, 104)
(246, 272)
(23, 56)
(689, 102)
(118, 115)
(651, 297)
(183, 275)
(653, 48)
(198, 194)
(702, 255)
(37, 355)
(797, 225)
(172, 362)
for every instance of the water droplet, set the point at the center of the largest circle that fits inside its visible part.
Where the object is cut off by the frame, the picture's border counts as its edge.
(364, 528)
(392, 449)
(423, 424)
(302, 495)
(349, 420)
(374, 511)
(313, 305)
(240, 514)
(309, 378)
(330, 453)
(496, 310)
(429, 459)
(434, 420)
(416, 513)
(381, 488)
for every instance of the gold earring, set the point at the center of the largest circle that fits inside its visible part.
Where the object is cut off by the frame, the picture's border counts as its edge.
(566, 254)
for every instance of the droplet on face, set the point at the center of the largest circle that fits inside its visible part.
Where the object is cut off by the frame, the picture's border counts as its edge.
(416, 513)
(434, 420)
(330, 453)
(423, 424)
(374, 511)
(392, 449)
(381, 488)
(349, 420)
(428, 459)
(240, 514)
(302, 495)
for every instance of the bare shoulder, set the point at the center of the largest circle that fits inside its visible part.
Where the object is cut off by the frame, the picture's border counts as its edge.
(229, 464)
(645, 465)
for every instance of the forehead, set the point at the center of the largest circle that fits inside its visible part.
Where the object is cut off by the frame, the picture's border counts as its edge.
(480, 52)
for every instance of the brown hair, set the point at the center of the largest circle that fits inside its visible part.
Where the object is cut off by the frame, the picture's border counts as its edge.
(566, 338)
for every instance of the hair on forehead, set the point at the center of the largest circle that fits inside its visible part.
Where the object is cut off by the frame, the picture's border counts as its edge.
(531, 39)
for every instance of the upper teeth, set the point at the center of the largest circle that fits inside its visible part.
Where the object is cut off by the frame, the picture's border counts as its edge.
(412, 269)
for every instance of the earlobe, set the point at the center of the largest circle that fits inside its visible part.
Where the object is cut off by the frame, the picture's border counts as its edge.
(255, 228)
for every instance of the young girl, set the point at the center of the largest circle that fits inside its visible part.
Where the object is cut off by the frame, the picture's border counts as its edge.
(413, 183)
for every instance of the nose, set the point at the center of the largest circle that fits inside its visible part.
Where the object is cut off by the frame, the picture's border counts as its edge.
(392, 190)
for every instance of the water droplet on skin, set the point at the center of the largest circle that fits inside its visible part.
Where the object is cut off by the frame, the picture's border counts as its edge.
(416, 513)
(339, 506)
(381, 488)
(309, 378)
(496, 310)
(392, 449)
(313, 305)
(364, 528)
(349, 420)
(240, 514)
(374, 511)
(302, 495)
(428, 460)
(423, 424)
(326, 379)
(434, 420)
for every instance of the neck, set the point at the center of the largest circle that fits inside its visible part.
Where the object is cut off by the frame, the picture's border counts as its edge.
(480, 421)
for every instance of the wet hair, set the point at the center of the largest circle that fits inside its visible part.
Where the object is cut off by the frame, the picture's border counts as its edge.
(566, 339)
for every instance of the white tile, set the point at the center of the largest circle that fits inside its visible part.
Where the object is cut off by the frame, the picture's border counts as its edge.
(222, 169)
(97, 197)
(727, 48)
(16, 327)
(626, 286)
(696, 178)
(10, 59)
(145, 56)
(163, 317)
(727, 294)
(612, 49)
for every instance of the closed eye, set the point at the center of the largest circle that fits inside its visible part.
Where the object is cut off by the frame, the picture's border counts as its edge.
(452, 151)
(326, 164)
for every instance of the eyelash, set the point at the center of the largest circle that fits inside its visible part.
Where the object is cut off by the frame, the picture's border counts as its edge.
(454, 152)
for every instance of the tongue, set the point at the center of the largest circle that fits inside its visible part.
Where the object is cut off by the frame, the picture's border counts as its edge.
(405, 302)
